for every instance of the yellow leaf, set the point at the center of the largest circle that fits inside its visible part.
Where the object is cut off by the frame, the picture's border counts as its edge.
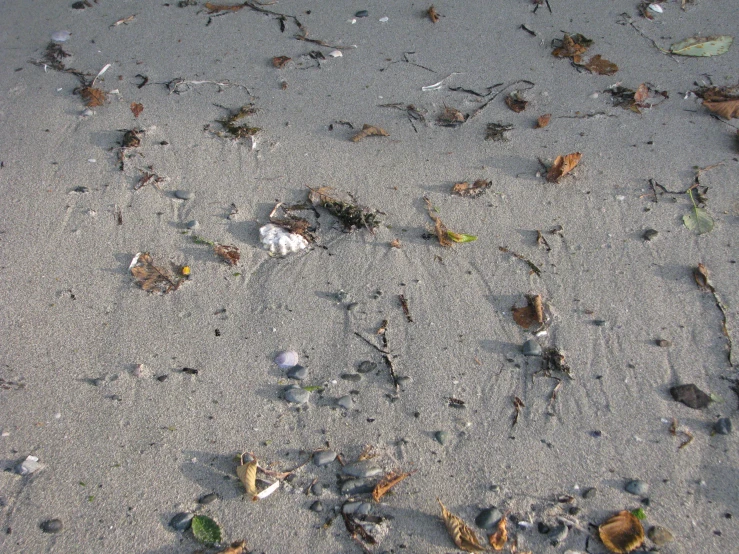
(562, 166)
(498, 539)
(461, 534)
(727, 109)
(387, 483)
(247, 473)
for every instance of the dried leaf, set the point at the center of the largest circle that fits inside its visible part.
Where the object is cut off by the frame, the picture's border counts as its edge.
(496, 131)
(728, 109)
(370, 131)
(641, 93)
(691, 396)
(515, 102)
(532, 313)
(136, 109)
(238, 547)
(622, 533)
(601, 66)
(387, 483)
(472, 191)
(562, 166)
(439, 227)
(460, 532)
(213, 8)
(700, 274)
(280, 61)
(150, 277)
(228, 252)
(543, 121)
(433, 16)
(451, 117)
(459, 237)
(247, 474)
(702, 46)
(93, 97)
(395, 243)
(572, 47)
(498, 539)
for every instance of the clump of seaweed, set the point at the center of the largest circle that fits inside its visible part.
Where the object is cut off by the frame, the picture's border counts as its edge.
(232, 127)
(345, 208)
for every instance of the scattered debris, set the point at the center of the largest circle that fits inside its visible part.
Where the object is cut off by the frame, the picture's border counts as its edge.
(280, 61)
(445, 236)
(150, 277)
(237, 547)
(344, 207)
(534, 268)
(517, 405)
(471, 191)
(636, 100)
(233, 129)
(496, 131)
(498, 539)
(675, 429)
(562, 166)
(451, 117)
(229, 253)
(515, 101)
(124, 21)
(136, 109)
(462, 535)
(571, 46)
(622, 532)
(600, 65)
(700, 274)
(370, 131)
(404, 305)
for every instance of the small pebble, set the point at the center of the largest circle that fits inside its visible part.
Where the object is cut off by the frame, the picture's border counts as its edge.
(531, 348)
(663, 343)
(81, 190)
(362, 13)
(488, 518)
(361, 469)
(181, 521)
(574, 510)
(317, 489)
(346, 402)
(722, 426)
(558, 534)
(590, 492)
(366, 367)
(404, 379)
(350, 507)
(543, 528)
(317, 506)
(87, 112)
(52, 526)
(442, 437)
(193, 224)
(296, 395)
(599, 322)
(184, 194)
(649, 234)
(636, 487)
(357, 486)
(660, 535)
(364, 509)
(298, 373)
(324, 457)
(353, 377)
(208, 498)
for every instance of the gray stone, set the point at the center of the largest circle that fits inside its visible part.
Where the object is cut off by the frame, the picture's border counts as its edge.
(589, 492)
(364, 509)
(362, 469)
(599, 322)
(193, 224)
(296, 395)
(722, 426)
(531, 348)
(558, 534)
(350, 507)
(366, 367)
(324, 457)
(353, 377)
(346, 402)
(317, 506)
(650, 234)
(637, 487)
(317, 489)
(357, 486)
(184, 194)
(297, 372)
(208, 498)
(442, 437)
(52, 526)
(181, 521)
(488, 518)
(362, 13)
(660, 535)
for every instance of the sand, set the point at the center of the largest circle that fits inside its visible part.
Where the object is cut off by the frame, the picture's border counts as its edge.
(83, 344)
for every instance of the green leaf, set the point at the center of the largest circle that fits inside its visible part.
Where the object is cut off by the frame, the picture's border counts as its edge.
(313, 388)
(458, 237)
(206, 530)
(197, 239)
(702, 46)
(699, 221)
(639, 513)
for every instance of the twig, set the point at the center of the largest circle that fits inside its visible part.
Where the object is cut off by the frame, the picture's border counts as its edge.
(700, 274)
(404, 305)
(382, 331)
(553, 397)
(528, 262)
(496, 94)
(517, 404)
(371, 344)
(627, 19)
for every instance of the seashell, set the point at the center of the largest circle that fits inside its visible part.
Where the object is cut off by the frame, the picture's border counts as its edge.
(622, 533)
(287, 359)
(655, 8)
(60, 36)
(281, 242)
(335, 54)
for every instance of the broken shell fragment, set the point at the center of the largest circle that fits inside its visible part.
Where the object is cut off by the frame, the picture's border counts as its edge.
(280, 242)
(287, 359)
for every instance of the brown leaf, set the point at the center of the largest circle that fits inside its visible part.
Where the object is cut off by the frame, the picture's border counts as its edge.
(700, 274)
(94, 97)
(498, 539)
(439, 227)
(433, 16)
(543, 121)
(395, 243)
(451, 117)
(212, 8)
(238, 547)
(532, 313)
(461, 534)
(601, 66)
(562, 166)
(387, 483)
(474, 190)
(370, 131)
(728, 109)
(642, 93)
(228, 252)
(136, 109)
(247, 474)
(150, 277)
(622, 533)
(280, 61)
(515, 103)
(571, 47)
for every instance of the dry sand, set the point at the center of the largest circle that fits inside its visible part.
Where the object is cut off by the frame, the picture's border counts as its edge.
(124, 453)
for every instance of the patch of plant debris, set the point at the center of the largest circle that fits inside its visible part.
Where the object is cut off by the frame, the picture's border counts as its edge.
(345, 208)
(231, 125)
(370, 131)
(445, 236)
(562, 166)
(471, 190)
(496, 131)
(571, 46)
(150, 277)
(636, 100)
(451, 117)
(293, 224)
(516, 102)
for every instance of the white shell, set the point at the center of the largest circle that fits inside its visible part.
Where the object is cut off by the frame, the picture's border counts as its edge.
(287, 359)
(335, 54)
(655, 8)
(280, 242)
(60, 36)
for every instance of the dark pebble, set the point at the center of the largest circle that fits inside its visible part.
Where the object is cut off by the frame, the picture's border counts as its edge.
(558, 534)
(590, 492)
(361, 469)
(324, 457)
(487, 518)
(162, 378)
(531, 348)
(650, 234)
(660, 535)
(691, 396)
(208, 498)
(317, 506)
(722, 426)
(357, 486)
(362, 13)
(297, 372)
(543, 528)
(317, 489)
(353, 377)
(296, 395)
(81, 190)
(575, 510)
(366, 367)
(52, 526)
(181, 521)
(637, 487)
(599, 322)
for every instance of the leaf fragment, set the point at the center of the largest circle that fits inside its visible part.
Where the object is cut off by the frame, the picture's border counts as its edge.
(280, 61)
(621, 533)
(471, 190)
(451, 117)
(600, 65)
(238, 547)
(229, 253)
(370, 131)
(702, 46)
(496, 131)
(530, 314)
(728, 109)
(515, 102)
(93, 97)
(150, 277)
(562, 166)
(206, 530)
(700, 274)
(387, 483)
(460, 237)
(572, 47)
(433, 15)
(498, 539)
(698, 220)
(462, 535)
(136, 108)
(213, 8)
(543, 121)
(247, 474)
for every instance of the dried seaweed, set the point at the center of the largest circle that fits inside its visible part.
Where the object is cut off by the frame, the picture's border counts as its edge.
(344, 207)
(388, 482)
(232, 127)
(291, 223)
(534, 268)
(496, 131)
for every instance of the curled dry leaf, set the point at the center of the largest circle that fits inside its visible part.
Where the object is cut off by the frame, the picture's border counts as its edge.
(562, 166)
(543, 121)
(601, 66)
(150, 277)
(700, 274)
(237, 547)
(228, 252)
(370, 131)
(622, 533)
(496, 131)
(439, 227)
(472, 191)
(572, 47)
(433, 16)
(395, 243)
(247, 474)
(515, 102)
(451, 117)
(460, 532)
(136, 109)
(498, 539)
(728, 109)
(387, 483)
(280, 61)
(532, 313)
